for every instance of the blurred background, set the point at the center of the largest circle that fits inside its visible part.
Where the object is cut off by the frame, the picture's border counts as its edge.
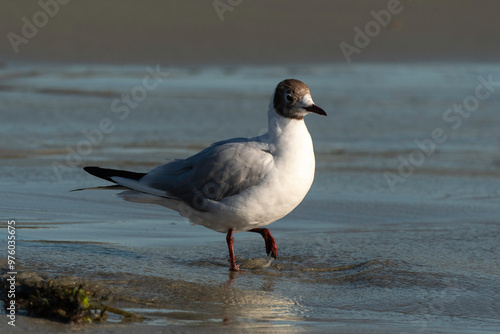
(251, 32)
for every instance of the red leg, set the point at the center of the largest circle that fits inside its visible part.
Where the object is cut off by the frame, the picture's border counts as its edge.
(232, 259)
(271, 246)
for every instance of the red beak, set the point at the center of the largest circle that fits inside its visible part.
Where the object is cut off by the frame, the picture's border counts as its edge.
(315, 109)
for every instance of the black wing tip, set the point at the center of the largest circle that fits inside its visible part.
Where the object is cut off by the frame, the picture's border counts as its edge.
(102, 173)
(93, 169)
(90, 169)
(107, 173)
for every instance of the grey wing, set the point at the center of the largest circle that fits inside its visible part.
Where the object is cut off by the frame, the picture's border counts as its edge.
(221, 170)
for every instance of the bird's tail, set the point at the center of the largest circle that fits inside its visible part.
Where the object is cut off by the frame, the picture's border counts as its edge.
(125, 180)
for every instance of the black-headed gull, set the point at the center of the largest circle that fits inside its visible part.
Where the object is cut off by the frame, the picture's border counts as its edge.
(239, 184)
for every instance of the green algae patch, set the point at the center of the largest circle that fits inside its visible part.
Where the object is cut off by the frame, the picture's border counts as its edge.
(65, 299)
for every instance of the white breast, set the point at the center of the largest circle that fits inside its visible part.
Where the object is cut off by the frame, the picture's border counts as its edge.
(278, 193)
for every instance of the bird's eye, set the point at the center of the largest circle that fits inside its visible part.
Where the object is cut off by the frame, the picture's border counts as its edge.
(289, 97)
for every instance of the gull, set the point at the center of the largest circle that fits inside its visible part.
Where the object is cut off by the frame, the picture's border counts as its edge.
(239, 184)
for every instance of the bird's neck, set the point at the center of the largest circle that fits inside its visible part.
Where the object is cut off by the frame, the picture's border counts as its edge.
(284, 131)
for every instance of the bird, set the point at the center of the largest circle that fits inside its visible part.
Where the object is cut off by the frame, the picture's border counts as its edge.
(238, 184)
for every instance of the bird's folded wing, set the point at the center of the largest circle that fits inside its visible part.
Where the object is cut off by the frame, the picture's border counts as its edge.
(221, 170)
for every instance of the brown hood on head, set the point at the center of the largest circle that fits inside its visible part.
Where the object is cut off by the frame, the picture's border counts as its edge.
(289, 99)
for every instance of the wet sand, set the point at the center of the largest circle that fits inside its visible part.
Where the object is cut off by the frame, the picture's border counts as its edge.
(356, 256)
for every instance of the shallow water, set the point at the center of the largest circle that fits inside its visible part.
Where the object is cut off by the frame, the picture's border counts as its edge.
(355, 256)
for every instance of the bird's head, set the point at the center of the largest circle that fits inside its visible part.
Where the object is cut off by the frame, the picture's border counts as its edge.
(292, 99)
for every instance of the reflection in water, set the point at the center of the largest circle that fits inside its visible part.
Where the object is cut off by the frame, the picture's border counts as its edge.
(177, 301)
